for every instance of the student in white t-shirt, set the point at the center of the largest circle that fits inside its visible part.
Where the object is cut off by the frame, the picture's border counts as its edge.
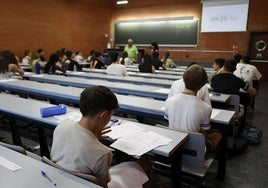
(76, 145)
(248, 73)
(124, 60)
(185, 111)
(115, 68)
(178, 87)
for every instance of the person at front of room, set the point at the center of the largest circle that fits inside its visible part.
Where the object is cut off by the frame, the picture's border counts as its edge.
(131, 50)
(116, 68)
(76, 145)
(185, 111)
(217, 66)
(146, 66)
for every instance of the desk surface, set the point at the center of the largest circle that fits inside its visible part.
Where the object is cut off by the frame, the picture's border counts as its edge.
(128, 79)
(30, 174)
(30, 109)
(117, 87)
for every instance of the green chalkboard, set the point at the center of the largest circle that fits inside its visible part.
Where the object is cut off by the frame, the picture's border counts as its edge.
(166, 32)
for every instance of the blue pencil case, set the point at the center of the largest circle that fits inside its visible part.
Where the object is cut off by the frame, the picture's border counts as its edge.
(54, 110)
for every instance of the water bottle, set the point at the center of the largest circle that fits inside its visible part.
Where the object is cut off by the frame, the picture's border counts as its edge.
(75, 68)
(37, 67)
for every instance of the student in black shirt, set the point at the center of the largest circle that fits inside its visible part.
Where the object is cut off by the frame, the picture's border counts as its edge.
(51, 66)
(146, 65)
(70, 62)
(97, 62)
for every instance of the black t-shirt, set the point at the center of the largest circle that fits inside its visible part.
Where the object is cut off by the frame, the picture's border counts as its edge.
(72, 64)
(157, 63)
(145, 68)
(99, 64)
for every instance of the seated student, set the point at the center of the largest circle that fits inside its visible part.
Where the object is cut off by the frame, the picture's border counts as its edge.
(35, 58)
(167, 61)
(70, 62)
(52, 66)
(76, 145)
(248, 73)
(217, 66)
(146, 65)
(124, 60)
(79, 57)
(27, 57)
(115, 68)
(9, 65)
(91, 55)
(178, 86)
(185, 111)
(237, 57)
(41, 54)
(97, 62)
(106, 58)
(156, 61)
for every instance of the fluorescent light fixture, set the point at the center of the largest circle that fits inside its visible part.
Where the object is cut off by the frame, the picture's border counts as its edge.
(120, 2)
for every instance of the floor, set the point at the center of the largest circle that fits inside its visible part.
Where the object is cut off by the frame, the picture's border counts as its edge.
(246, 170)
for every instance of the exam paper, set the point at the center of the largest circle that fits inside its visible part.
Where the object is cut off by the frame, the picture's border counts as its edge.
(123, 130)
(214, 113)
(140, 143)
(8, 164)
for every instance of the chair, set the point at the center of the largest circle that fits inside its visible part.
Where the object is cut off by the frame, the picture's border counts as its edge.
(84, 176)
(14, 147)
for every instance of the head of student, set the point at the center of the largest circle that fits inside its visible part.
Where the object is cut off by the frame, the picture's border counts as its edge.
(246, 59)
(195, 77)
(98, 103)
(130, 42)
(40, 52)
(114, 56)
(230, 65)
(237, 57)
(218, 64)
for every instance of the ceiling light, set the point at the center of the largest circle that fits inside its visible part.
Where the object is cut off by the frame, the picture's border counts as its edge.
(120, 2)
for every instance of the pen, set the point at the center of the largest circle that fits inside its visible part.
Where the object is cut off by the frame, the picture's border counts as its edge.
(45, 175)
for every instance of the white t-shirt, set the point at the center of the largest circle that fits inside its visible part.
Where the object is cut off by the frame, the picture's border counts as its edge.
(79, 58)
(126, 60)
(117, 69)
(187, 112)
(178, 87)
(247, 72)
(77, 149)
(25, 60)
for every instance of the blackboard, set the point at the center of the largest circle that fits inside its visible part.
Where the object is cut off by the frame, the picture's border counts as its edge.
(166, 32)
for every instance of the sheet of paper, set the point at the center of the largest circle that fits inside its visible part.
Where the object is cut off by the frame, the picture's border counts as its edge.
(214, 113)
(162, 90)
(8, 164)
(138, 144)
(37, 75)
(7, 80)
(123, 130)
(75, 116)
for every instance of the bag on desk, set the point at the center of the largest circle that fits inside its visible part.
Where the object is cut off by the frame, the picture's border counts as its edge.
(252, 133)
(54, 110)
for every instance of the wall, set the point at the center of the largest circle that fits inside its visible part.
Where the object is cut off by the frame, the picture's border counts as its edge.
(54, 24)
(222, 43)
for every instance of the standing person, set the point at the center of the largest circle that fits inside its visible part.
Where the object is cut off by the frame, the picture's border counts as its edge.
(51, 66)
(131, 50)
(146, 66)
(76, 146)
(115, 68)
(185, 111)
(154, 47)
(167, 61)
(9, 65)
(41, 54)
(217, 66)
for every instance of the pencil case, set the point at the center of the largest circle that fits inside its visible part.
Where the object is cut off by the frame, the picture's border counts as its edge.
(54, 110)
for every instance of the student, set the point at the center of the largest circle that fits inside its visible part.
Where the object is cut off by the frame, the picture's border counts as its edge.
(9, 65)
(131, 50)
(76, 145)
(106, 58)
(178, 86)
(124, 60)
(79, 57)
(146, 65)
(27, 57)
(91, 55)
(97, 62)
(237, 57)
(41, 54)
(154, 47)
(115, 68)
(70, 62)
(185, 111)
(156, 61)
(35, 58)
(217, 66)
(167, 61)
(52, 66)
(248, 73)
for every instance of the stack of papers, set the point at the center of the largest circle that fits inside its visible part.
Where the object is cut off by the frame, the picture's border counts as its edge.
(135, 141)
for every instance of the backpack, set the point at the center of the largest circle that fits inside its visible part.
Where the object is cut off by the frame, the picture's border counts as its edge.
(252, 133)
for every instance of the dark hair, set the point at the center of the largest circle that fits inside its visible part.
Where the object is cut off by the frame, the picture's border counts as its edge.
(53, 59)
(77, 52)
(155, 55)
(230, 65)
(155, 46)
(192, 63)
(26, 52)
(195, 77)
(97, 98)
(147, 59)
(237, 57)
(92, 52)
(7, 57)
(124, 55)
(246, 59)
(219, 61)
(167, 54)
(113, 55)
(97, 54)
(69, 53)
(39, 50)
